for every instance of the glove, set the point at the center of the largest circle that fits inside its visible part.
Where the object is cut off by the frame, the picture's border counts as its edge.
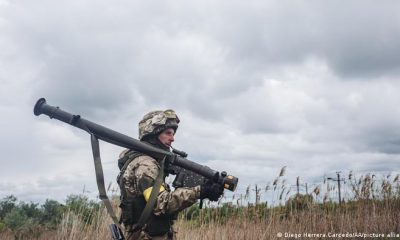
(211, 190)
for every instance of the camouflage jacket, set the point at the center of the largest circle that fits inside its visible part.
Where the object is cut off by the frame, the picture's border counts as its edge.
(138, 179)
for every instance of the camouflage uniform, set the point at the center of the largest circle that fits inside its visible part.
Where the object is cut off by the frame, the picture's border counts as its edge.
(168, 202)
(138, 177)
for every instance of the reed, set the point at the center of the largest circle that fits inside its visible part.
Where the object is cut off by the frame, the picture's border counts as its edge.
(372, 206)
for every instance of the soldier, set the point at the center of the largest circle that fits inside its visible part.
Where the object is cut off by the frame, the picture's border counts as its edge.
(138, 175)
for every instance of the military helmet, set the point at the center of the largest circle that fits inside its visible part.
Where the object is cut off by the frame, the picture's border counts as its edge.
(155, 122)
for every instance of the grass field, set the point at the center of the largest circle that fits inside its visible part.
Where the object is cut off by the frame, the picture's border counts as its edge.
(372, 212)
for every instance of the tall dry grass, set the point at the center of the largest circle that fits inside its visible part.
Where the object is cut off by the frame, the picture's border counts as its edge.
(374, 208)
(313, 222)
(364, 216)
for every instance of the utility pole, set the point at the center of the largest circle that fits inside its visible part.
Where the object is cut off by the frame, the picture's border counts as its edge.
(298, 185)
(338, 180)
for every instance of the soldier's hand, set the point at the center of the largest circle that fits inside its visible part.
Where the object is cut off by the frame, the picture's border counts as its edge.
(211, 190)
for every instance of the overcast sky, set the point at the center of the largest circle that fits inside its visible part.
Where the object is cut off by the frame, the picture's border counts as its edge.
(311, 85)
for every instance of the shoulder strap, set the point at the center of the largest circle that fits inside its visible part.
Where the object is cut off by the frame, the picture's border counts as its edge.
(152, 200)
(100, 179)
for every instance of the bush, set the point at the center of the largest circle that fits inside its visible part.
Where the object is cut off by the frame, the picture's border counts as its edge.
(299, 202)
(6, 205)
(51, 213)
(23, 227)
(16, 219)
(31, 210)
(3, 227)
(82, 206)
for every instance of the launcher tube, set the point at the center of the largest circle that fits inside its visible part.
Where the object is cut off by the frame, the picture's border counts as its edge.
(114, 137)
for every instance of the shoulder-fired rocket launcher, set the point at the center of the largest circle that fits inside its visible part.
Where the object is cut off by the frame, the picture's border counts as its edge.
(108, 135)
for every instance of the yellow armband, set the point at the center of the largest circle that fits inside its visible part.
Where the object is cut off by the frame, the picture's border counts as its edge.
(147, 192)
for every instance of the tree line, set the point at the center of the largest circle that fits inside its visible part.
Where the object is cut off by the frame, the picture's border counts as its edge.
(22, 217)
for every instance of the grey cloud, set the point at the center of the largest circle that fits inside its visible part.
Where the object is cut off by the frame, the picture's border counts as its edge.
(260, 84)
(357, 40)
(383, 140)
(93, 68)
(385, 166)
(81, 66)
